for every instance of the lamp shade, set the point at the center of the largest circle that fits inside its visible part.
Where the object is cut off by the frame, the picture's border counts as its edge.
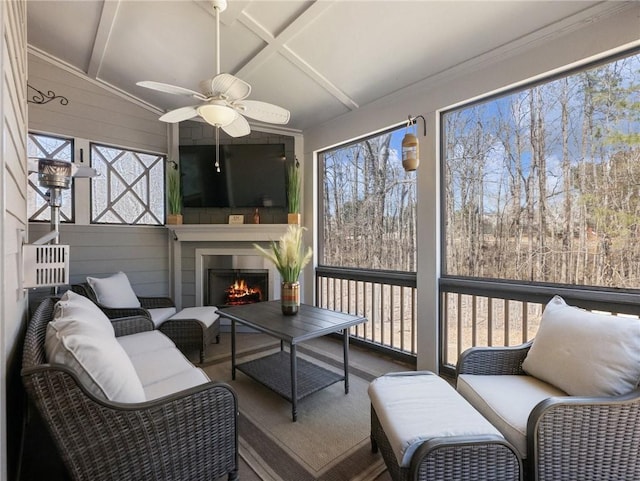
(410, 152)
(217, 115)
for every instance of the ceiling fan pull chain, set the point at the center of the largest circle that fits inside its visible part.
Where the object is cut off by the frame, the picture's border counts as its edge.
(217, 149)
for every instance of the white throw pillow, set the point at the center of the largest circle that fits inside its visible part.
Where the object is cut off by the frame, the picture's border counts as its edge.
(73, 308)
(114, 291)
(101, 364)
(584, 353)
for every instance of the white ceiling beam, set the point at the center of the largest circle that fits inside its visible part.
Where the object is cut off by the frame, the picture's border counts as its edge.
(105, 25)
(277, 46)
(319, 78)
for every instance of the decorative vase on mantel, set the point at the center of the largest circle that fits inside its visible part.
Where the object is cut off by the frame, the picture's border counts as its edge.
(293, 218)
(174, 219)
(290, 298)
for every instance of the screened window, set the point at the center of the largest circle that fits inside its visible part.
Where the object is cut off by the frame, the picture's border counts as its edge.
(543, 184)
(368, 207)
(129, 188)
(48, 147)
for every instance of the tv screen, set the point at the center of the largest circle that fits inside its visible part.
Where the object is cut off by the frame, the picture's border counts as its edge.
(251, 175)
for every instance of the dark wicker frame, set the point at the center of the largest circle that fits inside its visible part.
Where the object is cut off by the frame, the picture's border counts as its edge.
(192, 434)
(146, 303)
(570, 438)
(452, 458)
(187, 334)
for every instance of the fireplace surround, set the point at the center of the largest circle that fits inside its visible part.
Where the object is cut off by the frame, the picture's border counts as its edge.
(196, 248)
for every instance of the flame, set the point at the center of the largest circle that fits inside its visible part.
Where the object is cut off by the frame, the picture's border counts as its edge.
(241, 293)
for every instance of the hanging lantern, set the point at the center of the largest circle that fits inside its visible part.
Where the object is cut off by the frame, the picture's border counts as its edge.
(411, 146)
(410, 152)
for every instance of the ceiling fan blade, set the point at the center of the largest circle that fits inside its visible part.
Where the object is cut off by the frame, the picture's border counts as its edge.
(178, 115)
(263, 111)
(238, 127)
(228, 86)
(171, 89)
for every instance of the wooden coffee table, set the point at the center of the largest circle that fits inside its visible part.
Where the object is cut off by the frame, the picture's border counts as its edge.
(283, 372)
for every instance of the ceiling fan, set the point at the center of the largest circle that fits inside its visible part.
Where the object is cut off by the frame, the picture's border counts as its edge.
(223, 98)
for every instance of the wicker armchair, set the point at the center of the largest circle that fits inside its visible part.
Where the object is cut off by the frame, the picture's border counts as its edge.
(188, 334)
(570, 438)
(146, 303)
(191, 434)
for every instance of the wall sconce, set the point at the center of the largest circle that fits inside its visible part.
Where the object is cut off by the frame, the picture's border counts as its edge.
(411, 146)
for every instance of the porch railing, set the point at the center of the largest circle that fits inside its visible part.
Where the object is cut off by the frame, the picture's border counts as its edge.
(386, 298)
(472, 312)
(492, 313)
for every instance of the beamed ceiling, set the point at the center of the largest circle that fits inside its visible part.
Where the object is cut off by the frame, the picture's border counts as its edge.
(319, 59)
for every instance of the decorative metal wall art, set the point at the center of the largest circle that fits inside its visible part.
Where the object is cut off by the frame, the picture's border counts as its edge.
(44, 98)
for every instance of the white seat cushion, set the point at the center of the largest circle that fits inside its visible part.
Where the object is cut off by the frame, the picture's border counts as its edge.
(114, 291)
(506, 401)
(154, 366)
(161, 314)
(146, 341)
(183, 380)
(162, 368)
(585, 353)
(205, 314)
(415, 407)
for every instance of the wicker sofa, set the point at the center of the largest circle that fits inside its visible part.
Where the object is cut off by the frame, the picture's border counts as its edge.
(569, 401)
(182, 428)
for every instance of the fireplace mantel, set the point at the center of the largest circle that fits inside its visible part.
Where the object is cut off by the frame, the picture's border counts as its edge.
(227, 232)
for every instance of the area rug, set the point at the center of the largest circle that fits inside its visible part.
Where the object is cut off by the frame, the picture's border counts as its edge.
(328, 442)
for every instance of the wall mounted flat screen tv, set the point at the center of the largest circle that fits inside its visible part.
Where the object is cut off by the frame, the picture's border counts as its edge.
(251, 175)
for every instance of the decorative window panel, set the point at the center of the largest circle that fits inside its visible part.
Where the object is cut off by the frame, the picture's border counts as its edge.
(48, 147)
(129, 188)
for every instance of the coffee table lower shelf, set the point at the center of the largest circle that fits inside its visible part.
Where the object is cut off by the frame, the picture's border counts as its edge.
(274, 371)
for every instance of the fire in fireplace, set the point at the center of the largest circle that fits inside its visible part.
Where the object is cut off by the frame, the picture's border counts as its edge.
(232, 287)
(240, 293)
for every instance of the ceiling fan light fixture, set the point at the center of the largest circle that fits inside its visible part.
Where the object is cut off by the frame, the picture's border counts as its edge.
(217, 115)
(223, 97)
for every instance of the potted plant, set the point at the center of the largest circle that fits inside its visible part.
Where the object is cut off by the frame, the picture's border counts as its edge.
(173, 196)
(289, 257)
(293, 193)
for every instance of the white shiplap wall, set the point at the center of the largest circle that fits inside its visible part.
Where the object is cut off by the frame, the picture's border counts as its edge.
(101, 250)
(13, 221)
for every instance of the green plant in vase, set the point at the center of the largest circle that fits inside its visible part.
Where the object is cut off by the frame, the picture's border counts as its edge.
(289, 257)
(174, 198)
(293, 193)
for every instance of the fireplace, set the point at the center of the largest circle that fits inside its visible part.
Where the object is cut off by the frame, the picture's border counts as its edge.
(232, 287)
(229, 258)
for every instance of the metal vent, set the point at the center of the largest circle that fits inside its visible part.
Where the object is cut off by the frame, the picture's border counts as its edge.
(45, 265)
